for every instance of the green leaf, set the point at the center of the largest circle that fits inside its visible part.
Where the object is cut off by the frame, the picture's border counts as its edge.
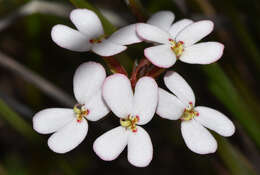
(233, 159)
(221, 86)
(17, 122)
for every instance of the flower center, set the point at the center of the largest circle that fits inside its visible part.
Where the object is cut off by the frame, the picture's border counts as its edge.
(80, 112)
(189, 113)
(177, 48)
(97, 40)
(130, 122)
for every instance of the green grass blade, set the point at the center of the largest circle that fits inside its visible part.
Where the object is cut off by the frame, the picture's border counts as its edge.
(221, 86)
(17, 122)
(233, 159)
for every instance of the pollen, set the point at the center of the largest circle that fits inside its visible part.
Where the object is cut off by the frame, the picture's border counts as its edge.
(189, 113)
(80, 112)
(130, 122)
(177, 47)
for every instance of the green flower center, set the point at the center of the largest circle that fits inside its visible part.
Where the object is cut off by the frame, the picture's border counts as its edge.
(130, 122)
(80, 112)
(177, 48)
(189, 113)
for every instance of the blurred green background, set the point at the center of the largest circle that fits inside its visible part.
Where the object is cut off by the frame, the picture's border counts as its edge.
(36, 74)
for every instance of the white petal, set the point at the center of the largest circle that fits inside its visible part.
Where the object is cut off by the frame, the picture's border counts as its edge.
(162, 19)
(197, 138)
(109, 145)
(69, 38)
(169, 106)
(195, 32)
(88, 79)
(97, 107)
(50, 120)
(145, 99)
(152, 33)
(87, 22)
(118, 94)
(68, 137)
(161, 56)
(179, 26)
(177, 85)
(139, 148)
(107, 48)
(215, 121)
(202, 53)
(125, 36)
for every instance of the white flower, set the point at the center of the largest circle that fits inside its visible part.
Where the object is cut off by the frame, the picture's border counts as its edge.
(162, 19)
(195, 120)
(90, 35)
(70, 126)
(133, 110)
(127, 35)
(177, 41)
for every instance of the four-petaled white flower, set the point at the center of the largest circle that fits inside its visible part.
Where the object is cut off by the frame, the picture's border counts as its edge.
(133, 110)
(177, 41)
(181, 105)
(90, 35)
(70, 126)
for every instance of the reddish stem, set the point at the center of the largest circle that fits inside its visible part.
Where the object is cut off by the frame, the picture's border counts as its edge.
(155, 72)
(139, 71)
(115, 66)
(145, 68)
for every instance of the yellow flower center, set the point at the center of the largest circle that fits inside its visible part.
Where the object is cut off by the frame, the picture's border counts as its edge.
(97, 40)
(177, 48)
(189, 113)
(80, 112)
(130, 122)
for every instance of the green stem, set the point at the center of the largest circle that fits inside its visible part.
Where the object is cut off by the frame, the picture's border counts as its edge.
(243, 34)
(17, 122)
(234, 160)
(221, 86)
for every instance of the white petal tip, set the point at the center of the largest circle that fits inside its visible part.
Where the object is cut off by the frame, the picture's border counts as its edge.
(54, 149)
(50, 120)
(141, 164)
(170, 63)
(103, 157)
(151, 33)
(68, 137)
(109, 145)
(230, 132)
(207, 24)
(69, 38)
(203, 150)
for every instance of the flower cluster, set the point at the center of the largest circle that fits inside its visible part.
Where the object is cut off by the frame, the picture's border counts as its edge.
(134, 104)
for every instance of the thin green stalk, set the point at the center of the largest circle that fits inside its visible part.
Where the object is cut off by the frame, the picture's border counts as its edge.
(221, 86)
(17, 122)
(23, 128)
(243, 34)
(234, 160)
